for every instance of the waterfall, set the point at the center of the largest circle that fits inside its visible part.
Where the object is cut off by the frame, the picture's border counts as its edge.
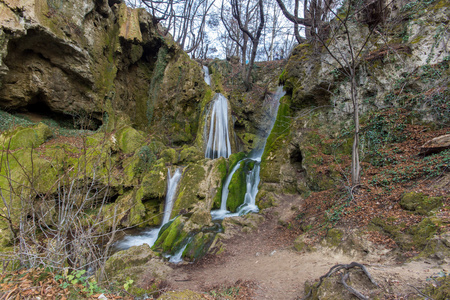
(252, 177)
(222, 212)
(207, 77)
(172, 184)
(218, 138)
(150, 236)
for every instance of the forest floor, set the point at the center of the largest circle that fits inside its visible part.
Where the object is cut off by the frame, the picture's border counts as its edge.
(262, 264)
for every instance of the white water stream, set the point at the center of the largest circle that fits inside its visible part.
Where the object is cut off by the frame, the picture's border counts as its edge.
(218, 138)
(150, 236)
(207, 77)
(252, 177)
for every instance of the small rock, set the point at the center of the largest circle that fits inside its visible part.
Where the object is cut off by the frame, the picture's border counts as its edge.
(436, 145)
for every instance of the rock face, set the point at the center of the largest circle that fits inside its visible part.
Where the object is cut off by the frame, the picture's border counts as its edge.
(410, 61)
(436, 145)
(95, 57)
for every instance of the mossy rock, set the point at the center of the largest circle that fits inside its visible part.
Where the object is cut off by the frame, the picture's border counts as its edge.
(199, 245)
(334, 237)
(154, 183)
(440, 288)
(170, 155)
(237, 188)
(126, 211)
(171, 236)
(437, 248)
(189, 188)
(25, 137)
(129, 139)
(423, 232)
(420, 202)
(275, 155)
(389, 226)
(221, 166)
(139, 263)
(134, 256)
(301, 245)
(182, 295)
(191, 154)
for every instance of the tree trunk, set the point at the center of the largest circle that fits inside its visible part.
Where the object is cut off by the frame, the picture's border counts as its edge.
(356, 168)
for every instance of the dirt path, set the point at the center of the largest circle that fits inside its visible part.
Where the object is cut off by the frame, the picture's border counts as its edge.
(265, 258)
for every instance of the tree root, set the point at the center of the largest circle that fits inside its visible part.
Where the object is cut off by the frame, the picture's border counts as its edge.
(344, 278)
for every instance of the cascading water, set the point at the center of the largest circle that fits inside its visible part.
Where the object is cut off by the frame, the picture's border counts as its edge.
(218, 138)
(150, 236)
(207, 77)
(252, 177)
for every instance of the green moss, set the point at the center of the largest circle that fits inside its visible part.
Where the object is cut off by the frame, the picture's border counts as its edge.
(157, 77)
(222, 171)
(188, 194)
(216, 79)
(191, 154)
(28, 137)
(439, 288)
(416, 237)
(424, 231)
(274, 153)
(170, 155)
(171, 236)
(199, 245)
(181, 295)
(420, 203)
(154, 183)
(334, 237)
(129, 139)
(237, 188)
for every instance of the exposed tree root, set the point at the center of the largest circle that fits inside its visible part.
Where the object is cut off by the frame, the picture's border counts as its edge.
(344, 278)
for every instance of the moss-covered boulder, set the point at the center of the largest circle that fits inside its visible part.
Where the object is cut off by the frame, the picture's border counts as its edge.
(25, 137)
(199, 245)
(140, 264)
(420, 203)
(129, 139)
(172, 236)
(170, 155)
(191, 154)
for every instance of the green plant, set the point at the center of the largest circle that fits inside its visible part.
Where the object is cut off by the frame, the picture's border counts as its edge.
(77, 281)
(127, 284)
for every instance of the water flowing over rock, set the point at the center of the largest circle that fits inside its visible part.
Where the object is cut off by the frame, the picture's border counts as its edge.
(207, 77)
(252, 176)
(150, 236)
(218, 144)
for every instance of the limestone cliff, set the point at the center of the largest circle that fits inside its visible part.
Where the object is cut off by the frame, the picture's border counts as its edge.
(403, 65)
(98, 58)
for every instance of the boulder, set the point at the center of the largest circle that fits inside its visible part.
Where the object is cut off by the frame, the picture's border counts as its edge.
(420, 202)
(436, 145)
(140, 264)
(25, 137)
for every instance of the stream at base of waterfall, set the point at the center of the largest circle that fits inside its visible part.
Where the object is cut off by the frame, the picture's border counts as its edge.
(150, 236)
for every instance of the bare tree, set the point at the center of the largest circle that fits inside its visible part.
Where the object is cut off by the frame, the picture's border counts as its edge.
(254, 37)
(349, 59)
(315, 14)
